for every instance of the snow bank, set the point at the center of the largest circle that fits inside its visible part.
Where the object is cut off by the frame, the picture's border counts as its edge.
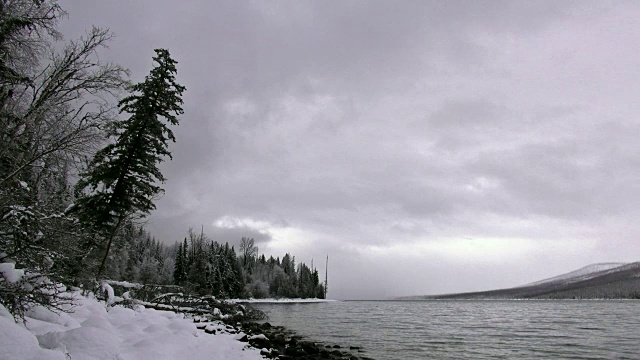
(97, 333)
(17, 342)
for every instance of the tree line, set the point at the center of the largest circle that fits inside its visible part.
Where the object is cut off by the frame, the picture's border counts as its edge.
(210, 268)
(205, 267)
(278, 278)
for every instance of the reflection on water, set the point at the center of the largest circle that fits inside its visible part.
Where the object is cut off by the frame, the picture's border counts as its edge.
(470, 329)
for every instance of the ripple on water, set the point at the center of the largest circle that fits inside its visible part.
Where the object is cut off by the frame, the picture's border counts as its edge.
(469, 329)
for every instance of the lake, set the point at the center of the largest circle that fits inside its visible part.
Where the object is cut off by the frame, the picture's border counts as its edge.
(455, 329)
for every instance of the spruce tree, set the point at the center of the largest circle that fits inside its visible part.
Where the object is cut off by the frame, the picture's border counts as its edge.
(178, 270)
(122, 179)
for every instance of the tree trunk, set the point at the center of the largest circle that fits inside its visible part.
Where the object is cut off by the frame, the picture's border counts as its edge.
(106, 252)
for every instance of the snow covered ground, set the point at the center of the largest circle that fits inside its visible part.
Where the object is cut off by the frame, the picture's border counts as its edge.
(94, 331)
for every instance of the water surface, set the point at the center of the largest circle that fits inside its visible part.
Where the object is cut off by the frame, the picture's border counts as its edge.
(454, 329)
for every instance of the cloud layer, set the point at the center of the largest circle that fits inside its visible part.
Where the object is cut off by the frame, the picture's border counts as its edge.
(427, 147)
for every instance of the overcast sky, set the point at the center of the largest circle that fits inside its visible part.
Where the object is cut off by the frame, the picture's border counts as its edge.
(426, 146)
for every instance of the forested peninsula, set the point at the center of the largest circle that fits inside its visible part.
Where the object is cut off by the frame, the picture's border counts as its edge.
(202, 266)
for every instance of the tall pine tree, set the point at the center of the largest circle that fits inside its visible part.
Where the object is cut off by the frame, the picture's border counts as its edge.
(122, 178)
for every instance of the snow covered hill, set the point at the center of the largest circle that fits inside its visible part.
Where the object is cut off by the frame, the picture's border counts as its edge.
(579, 274)
(597, 281)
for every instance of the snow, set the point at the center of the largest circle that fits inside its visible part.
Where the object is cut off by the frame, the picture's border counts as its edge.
(17, 342)
(125, 284)
(109, 290)
(580, 274)
(69, 208)
(96, 332)
(10, 273)
(24, 185)
(258, 337)
(43, 320)
(212, 327)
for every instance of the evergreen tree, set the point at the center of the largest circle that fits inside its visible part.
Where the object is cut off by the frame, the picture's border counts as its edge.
(186, 261)
(121, 179)
(178, 271)
(236, 282)
(215, 269)
(198, 261)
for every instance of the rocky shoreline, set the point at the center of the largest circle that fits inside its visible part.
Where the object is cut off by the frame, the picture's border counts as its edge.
(274, 342)
(215, 316)
(281, 343)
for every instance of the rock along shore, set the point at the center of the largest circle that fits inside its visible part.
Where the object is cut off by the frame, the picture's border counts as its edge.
(279, 342)
(222, 316)
(274, 342)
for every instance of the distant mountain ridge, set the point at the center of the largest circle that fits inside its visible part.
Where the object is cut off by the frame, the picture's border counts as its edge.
(596, 281)
(584, 271)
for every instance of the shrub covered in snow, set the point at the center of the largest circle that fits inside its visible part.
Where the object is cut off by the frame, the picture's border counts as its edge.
(21, 290)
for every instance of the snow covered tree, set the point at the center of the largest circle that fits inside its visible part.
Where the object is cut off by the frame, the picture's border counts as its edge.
(121, 180)
(179, 270)
(148, 269)
(233, 278)
(198, 261)
(214, 271)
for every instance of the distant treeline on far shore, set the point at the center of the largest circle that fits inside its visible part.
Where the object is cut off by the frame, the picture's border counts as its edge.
(206, 267)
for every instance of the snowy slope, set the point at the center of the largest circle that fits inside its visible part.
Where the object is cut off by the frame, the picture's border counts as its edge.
(580, 274)
(597, 281)
(94, 331)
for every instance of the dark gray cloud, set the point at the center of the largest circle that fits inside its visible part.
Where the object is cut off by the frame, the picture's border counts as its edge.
(427, 147)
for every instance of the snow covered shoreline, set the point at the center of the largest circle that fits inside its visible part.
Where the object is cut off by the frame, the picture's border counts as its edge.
(95, 331)
(161, 329)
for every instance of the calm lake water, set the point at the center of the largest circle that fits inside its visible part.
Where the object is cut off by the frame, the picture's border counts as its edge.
(470, 329)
